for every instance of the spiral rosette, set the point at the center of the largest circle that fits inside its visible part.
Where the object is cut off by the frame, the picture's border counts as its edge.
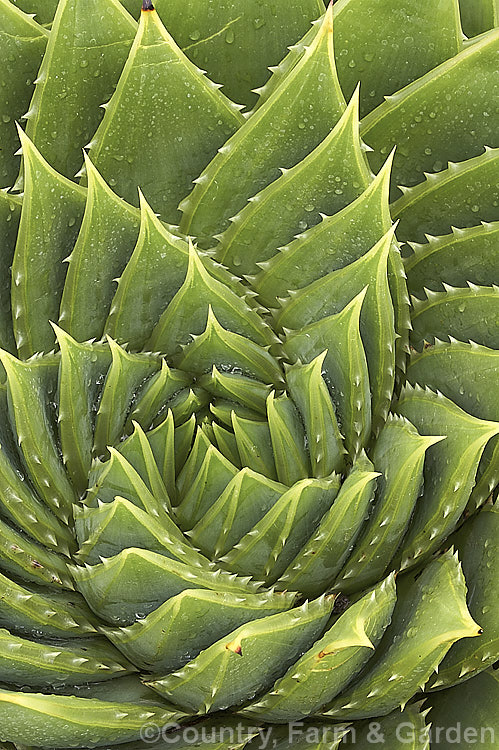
(241, 473)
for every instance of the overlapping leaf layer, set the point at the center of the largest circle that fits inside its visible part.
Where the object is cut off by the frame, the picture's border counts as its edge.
(241, 470)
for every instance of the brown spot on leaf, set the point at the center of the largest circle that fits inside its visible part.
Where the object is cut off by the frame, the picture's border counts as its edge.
(234, 647)
(322, 654)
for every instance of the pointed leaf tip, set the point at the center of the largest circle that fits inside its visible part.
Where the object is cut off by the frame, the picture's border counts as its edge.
(147, 5)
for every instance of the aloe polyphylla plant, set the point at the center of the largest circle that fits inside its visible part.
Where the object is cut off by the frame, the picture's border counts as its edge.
(249, 414)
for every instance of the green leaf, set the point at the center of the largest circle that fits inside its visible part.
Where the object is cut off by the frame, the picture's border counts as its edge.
(267, 550)
(280, 134)
(29, 384)
(443, 116)
(478, 15)
(345, 368)
(477, 547)
(22, 45)
(310, 393)
(44, 9)
(187, 312)
(460, 196)
(152, 399)
(243, 503)
(25, 662)
(465, 255)
(316, 565)
(162, 441)
(110, 528)
(161, 642)
(335, 242)
(223, 411)
(415, 643)
(163, 155)
(254, 445)
(217, 347)
(398, 455)
(468, 313)
(188, 402)
(288, 440)
(58, 720)
(50, 613)
(29, 561)
(106, 239)
(193, 462)
(407, 29)
(211, 480)
(81, 367)
(50, 219)
(75, 68)
(226, 443)
(474, 710)
(465, 373)
(138, 452)
(18, 502)
(136, 581)
(118, 477)
(450, 468)
(334, 660)
(127, 372)
(328, 179)
(152, 277)
(331, 293)
(237, 44)
(10, 213)
(247, 661)
(234, 386)
(407, 726)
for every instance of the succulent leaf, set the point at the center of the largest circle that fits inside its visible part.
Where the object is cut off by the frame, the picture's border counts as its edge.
(414, 117)
(329, 294)
(478, 17)
(222, 671)
(477, 546)
(445, 367)
(398, 456)
(160, 100)
(160, 641)
(108, 233)
(458, 312)
(56, 123)
(22, 46)
(325, 181)
(51, 215)
(57, 719)
(223, 421)
(360, 45)
(458, 196)
(236, 44)
(474, 709)
(324, 670)
(464, 256)
(425, 634)
(450, 467)
(282, 132)
(317, 564)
